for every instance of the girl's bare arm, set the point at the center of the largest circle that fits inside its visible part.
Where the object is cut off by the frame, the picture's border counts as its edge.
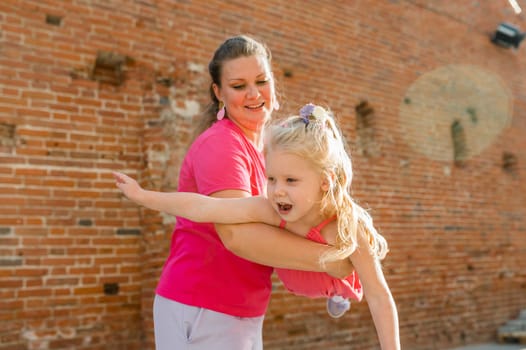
(261, 243)
(198, 207)
(378, 296)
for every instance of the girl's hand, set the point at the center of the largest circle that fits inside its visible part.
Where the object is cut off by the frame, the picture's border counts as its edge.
(128, 186)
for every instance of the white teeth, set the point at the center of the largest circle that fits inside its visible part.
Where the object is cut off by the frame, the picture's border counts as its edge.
(284, 206)
(256, 106)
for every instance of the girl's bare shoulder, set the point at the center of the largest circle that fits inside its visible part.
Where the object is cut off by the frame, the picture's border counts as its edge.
(330, 232)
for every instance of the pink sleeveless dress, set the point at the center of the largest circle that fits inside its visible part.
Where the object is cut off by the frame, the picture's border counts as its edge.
(319, 284)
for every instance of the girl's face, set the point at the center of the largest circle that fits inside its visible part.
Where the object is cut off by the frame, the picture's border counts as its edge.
(295, 188)
(247, 90)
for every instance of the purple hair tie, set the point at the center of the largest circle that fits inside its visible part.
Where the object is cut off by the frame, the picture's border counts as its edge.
(306, 112)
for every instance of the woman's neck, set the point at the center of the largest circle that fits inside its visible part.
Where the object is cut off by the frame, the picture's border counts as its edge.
(255, 137)
(253, 131)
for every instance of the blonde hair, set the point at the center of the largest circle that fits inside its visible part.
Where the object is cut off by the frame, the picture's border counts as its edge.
(314, 136)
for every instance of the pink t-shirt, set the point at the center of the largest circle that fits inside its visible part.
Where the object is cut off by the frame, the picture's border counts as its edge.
(199, 270)
(319, 284)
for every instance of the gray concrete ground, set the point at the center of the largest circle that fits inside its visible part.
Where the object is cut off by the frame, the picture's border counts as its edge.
(513, 330)
(493, 346)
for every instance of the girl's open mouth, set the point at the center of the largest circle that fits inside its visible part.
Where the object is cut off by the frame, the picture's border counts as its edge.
(284, 207)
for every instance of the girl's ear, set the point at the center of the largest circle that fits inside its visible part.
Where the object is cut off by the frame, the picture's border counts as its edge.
(327, 181)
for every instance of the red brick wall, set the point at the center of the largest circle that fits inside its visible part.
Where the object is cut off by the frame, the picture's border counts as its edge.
(90, 87)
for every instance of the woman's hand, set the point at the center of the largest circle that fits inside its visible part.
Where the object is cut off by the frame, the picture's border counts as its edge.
(339, 269)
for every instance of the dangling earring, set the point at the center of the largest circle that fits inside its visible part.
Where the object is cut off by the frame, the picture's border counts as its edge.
(221, 111)
(275, 103)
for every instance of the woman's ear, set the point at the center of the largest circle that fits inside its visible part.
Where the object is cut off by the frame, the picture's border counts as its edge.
(217, 91)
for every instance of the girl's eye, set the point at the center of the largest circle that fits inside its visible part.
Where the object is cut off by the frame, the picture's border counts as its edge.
(270, 179)
(291, 180)
(262, 82)
(238, 87)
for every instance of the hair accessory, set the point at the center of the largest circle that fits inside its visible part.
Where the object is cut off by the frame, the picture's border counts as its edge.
(306, 112)
(221, 111)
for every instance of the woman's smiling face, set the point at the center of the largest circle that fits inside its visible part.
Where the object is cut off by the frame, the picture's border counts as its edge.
(247, 90)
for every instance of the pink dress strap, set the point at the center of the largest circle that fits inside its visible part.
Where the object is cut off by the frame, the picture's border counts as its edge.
(324, 223)
(315, 232)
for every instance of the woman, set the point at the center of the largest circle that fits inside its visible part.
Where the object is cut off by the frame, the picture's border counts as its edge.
(207, 297)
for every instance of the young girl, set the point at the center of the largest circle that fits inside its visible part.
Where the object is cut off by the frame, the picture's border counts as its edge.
(309, 176)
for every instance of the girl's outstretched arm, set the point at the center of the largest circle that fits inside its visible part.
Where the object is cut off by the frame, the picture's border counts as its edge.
(257, 242)
(378, 295)
(198, 207)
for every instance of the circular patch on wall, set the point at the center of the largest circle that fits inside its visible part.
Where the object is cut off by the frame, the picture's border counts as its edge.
(454, 112)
